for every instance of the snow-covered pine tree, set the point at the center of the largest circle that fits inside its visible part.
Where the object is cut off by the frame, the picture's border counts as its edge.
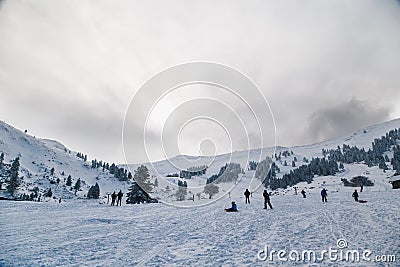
(69, 181)
(14, 180)
(49, 193)
(142, 177)
(137, 195)
(1, 160)
(77, 185)
(94, 191)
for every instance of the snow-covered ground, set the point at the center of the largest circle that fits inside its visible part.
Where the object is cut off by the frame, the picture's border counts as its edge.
(84, 233)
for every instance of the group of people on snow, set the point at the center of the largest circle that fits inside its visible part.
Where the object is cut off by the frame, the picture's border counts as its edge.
(267, 202)
(117, 197)
(247, 194)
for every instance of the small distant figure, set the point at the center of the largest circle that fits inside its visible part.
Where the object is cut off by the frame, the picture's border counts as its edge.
(59, 201)
(229, 194)
(247, 195)
(361, 189)
(355, 195)
(113, 197)
(324, 194)
(295, 190)
(303, 193)
(193, 197)
(119, 200)
(233, 208)
(266, 200)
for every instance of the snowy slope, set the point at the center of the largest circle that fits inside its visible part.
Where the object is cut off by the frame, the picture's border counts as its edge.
(38, 156)
(71, 234)
(361, 138)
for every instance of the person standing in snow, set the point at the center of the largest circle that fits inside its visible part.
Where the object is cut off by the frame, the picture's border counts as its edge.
(324, 194)
(355, 195)
(119, 200)
(361, 189)
(113, 197)
(303, 193)
(266, 200)
(247, 196)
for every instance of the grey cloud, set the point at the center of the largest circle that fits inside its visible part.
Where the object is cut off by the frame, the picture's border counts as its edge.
(342, 119)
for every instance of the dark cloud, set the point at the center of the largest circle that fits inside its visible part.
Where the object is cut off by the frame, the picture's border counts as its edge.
(342, 119)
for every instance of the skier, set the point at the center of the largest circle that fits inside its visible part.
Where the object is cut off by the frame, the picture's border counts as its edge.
(324, 194)
(113, 197)
(59, 201)
(119, 195)
(355, 195)
(247, 195)
(266, 200)
(303, 193)
(295, 190)
(361, 189)
(233, 208)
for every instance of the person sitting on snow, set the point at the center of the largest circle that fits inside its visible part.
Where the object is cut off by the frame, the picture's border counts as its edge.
(233, 208)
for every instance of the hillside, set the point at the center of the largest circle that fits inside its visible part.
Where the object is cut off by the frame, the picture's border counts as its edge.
(362, 138)
(39, 156)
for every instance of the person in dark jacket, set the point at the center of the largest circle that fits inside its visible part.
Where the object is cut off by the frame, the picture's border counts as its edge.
(247, 195)
(303, 193)
(233, 208)
(324, 194)
(266, 200)
(113, 197)
(119, 200)
(355, 195)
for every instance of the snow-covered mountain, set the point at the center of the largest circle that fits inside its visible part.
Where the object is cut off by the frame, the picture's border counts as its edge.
(38, 157)
(361, 138)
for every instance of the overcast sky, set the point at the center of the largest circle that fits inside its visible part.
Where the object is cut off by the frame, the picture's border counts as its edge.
(68, 69)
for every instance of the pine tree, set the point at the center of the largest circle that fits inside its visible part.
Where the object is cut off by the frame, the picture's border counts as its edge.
(136, 195)
(1, 160)
(156, 182)
(69, 181)
(94, 191)
(14, 180)
(142, 177)
(77, 185)
(49, 193)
